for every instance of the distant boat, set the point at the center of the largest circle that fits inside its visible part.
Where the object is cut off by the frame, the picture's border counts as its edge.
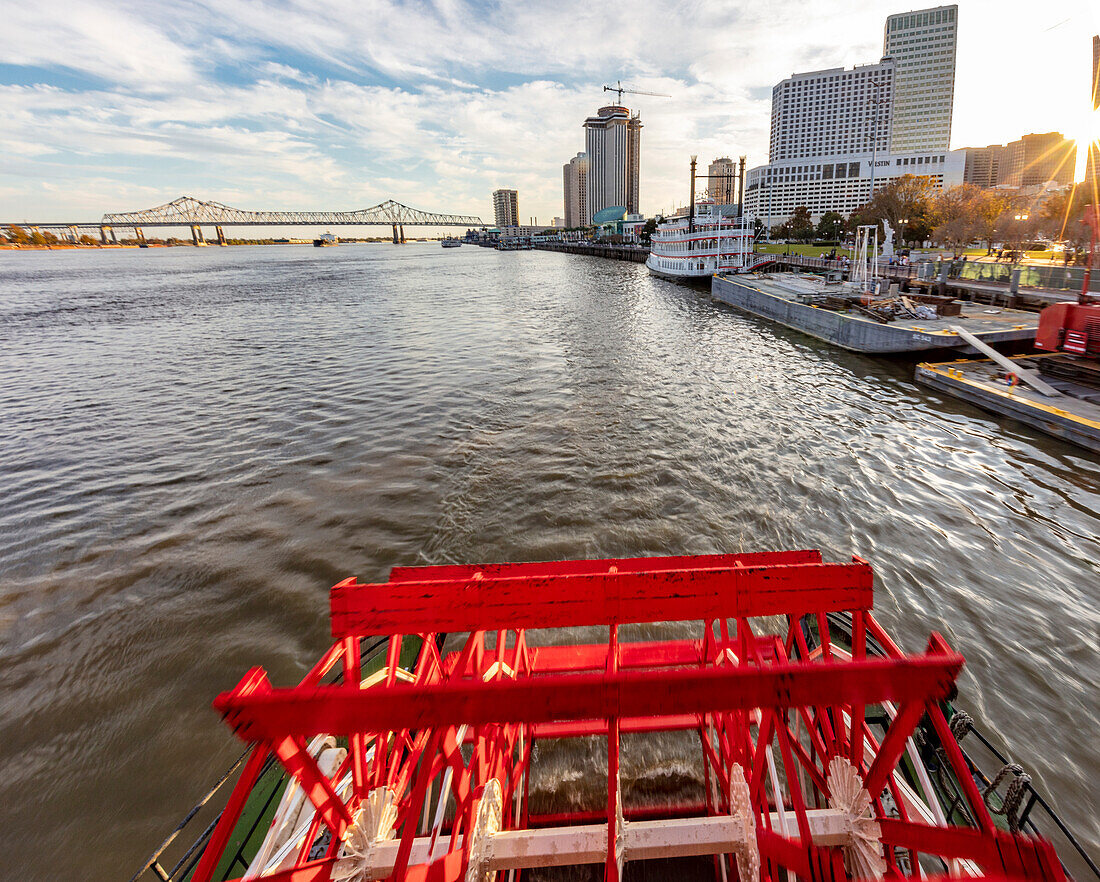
(325, 240)
(451, 242)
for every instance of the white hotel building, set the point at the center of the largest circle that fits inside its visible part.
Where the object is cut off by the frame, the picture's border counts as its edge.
(829, 126)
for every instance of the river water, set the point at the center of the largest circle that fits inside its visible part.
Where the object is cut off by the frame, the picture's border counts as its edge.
(194, 445)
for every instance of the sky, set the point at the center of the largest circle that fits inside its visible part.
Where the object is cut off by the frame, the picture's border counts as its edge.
(342, 104)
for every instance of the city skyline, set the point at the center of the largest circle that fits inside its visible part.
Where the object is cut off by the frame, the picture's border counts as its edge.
(838, 135)
(115, 109)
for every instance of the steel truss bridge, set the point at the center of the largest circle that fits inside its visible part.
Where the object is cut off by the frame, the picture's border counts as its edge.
(195, 214)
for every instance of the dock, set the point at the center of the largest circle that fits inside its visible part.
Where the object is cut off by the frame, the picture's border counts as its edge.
(1013, 291)
(631, 253)
(1073, 415)
(784, 298)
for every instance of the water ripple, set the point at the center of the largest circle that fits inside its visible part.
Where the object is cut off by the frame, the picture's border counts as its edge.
(195, 444)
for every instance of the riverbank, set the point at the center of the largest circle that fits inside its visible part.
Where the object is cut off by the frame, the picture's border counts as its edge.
(60, 246)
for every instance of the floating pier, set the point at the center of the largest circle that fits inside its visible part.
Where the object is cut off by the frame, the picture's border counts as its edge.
(1073, 414)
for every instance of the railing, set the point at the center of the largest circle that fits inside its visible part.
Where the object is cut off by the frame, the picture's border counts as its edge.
(1069, 278)
(1052, 277)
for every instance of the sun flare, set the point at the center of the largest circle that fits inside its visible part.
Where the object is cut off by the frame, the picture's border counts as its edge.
(1086, 131)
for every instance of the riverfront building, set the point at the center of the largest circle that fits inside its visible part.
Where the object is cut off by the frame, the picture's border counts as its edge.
(613, 143)
(722, 181)
(983, 165)
(835, 131)
(575, 185)
(506, 208)
(835, 113)
(1030, 161)
(1092, 162)
(1036, 159)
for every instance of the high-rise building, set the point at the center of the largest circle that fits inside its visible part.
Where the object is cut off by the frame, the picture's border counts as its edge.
(922, 45)
(575, 185)
(1096, 72)
(983, 165)
(506, 208)
(1036, 159)
(613, 142)
(722, 181)
(833, 112)
(1028, 162)
(838, 134)
(1092, 162)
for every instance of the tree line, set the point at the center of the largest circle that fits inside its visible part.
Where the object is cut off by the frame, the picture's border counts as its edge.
(16, 235)
(953, 218)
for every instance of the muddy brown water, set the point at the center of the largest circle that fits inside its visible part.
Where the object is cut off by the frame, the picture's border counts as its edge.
(194, 445)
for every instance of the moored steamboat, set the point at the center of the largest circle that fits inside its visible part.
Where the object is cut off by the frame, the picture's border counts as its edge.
(704, 242)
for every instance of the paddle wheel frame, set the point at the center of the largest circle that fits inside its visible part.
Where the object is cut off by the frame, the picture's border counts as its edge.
(433, 782)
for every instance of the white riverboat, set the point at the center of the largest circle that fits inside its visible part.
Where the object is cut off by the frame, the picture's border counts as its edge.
(698, 245)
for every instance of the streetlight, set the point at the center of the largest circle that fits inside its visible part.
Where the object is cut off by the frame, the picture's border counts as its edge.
(1022, 216)
(836, 235)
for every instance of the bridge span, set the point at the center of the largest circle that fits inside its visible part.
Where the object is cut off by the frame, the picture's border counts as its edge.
(195, 214)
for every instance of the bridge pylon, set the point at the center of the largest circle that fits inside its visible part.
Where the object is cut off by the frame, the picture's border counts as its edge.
(221, 235)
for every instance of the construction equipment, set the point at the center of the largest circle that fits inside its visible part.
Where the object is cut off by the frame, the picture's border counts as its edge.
(620, 88)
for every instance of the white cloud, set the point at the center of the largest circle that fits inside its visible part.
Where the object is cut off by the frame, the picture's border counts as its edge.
(104, 41)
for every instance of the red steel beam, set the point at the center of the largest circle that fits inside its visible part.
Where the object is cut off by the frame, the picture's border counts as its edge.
(449, 572)
(573, 600)
(230, 815)
(340, 710)
(636, 654)
(1018, 856)
(627, 725)
(303, 768)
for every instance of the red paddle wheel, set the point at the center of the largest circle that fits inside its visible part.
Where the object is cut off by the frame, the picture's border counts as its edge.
(427, 770)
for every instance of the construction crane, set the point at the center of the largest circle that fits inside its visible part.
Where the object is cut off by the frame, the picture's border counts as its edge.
(620, 88)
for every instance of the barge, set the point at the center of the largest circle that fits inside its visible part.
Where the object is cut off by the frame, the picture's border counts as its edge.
(826, 753)
(1057, 392)
(1073, 416)
(845, 317)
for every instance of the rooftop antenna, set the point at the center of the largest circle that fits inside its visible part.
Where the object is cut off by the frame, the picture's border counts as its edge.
(620, 88)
